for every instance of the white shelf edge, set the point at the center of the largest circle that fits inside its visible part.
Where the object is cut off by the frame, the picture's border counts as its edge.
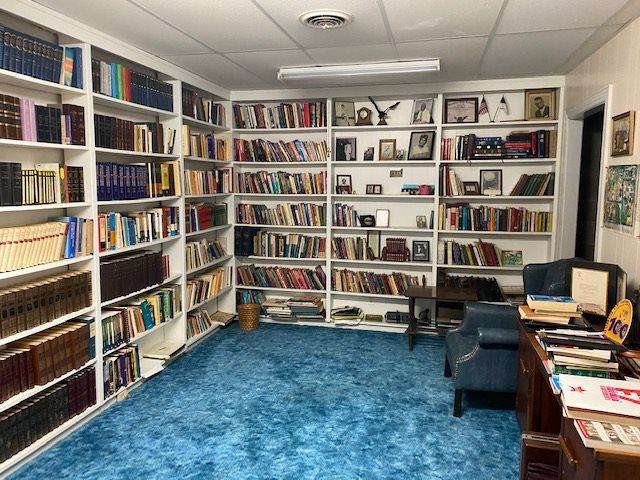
(131, 153)
(207, 195)
(46, 206)
(141, 335)
(499, 232)
(44, 145)
(217, 261)
(32, 83)
(138, 246)
(384, 196)
(279, 289)
(196, 339)
(280, 164)
(116, 103)
(283, 259)
(382, 263)
(295, 227)
(213, 297)
(482, 267)
(283, 195)
(44, 267)
(281, 130)
(372, 295)
(208, 230)
(194, 122)
(138, 200)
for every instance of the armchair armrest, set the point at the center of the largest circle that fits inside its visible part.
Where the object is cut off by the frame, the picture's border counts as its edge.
(534, 275)
(486, 315)
(497, 337)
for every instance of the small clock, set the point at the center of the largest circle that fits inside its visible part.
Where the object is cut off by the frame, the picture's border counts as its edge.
(364, 116)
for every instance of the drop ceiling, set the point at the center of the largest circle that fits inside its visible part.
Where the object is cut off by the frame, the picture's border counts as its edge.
(240, 44)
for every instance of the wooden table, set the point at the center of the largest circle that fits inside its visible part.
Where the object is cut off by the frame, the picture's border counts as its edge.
(444, 294)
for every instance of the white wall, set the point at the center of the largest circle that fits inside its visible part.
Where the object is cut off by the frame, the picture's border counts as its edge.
(617, 63)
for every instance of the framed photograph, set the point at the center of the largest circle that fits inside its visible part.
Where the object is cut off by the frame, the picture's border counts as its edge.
(421, 145)
(461, 110)
(387, 149)
(382, 217)
(620, 189)
(400, 153)
(622, 134)
(368, 154)
(344, 114)
(491, 182)
(346, 149)
(471, 188)
(421, 221)
(421, 251)
(377, 189)
(343, 184)
(395, 173)
(373, 244)
(422, 111)
(511, 258)
(540, 104)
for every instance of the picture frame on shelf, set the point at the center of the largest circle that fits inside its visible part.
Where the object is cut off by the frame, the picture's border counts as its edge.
(344, 113)
(511, 258)
(623, 134)
(471, 188)
(400, 153)
(373, 244)
(540, 104)
(343, 184)
(421, 145)
(374, 189)
(461, 110)
(369, 154)
(346, 149)
(421, 221)
(491, 182)
(382, 217)
(367, 221)
(420, 251)
(422, 109)
(387, 149)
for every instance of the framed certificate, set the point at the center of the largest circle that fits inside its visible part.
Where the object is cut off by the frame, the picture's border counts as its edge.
(590, 288)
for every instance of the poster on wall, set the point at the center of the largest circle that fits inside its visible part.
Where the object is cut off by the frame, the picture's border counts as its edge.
(620, 197)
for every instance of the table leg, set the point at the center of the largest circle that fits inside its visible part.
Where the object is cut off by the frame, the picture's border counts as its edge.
(413, 323)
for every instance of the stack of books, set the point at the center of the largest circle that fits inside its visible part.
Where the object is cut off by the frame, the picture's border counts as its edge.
(538, 184)
(282, 182)
(285, 115)
(260, 150)
(284, 214)
(304, 309)
(200, 216)
(492, 219)
(205, 110)
(347, 315)
(549, 309)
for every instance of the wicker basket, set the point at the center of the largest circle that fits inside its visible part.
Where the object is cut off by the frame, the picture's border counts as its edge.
(249, 316)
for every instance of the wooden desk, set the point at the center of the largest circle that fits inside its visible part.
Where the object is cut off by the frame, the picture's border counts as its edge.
(445, 294)
(539, 410)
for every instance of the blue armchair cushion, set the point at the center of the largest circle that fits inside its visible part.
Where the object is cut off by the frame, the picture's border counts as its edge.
(498, 337)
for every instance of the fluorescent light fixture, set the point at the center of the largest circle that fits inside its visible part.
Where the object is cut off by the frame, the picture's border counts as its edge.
(359, 69)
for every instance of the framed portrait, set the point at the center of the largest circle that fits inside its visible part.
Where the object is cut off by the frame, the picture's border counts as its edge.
(511, 258)
(471, 188)
(622, 133)
(491, 182)
(421, 145)
(421, 221)
(373, 244)
(387, 149)
(400, 153)
(420, 251)
(344, 114)
(422, 111)
(343, 184)
(346, 149)
(368, 154)
(377, 189)
(461, 110)
(369, 189)
(540, 104)
(382, 217)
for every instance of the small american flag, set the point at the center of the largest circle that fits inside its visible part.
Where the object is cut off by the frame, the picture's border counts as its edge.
(484, 108)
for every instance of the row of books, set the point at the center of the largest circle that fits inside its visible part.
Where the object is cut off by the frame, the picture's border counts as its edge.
(204, 182)
(121, 325)
(45, 184)
(281, 277)
(203, 109)
(492, 219)
(200, 321)
(117, 230)
(43, 357)
(537, 144)
(203, 145)
(145, 137)
(117, 81)
(42, 300)
(29, 421)
(282, 182)
(536, 184)
(121, 181)
(299, 309)
(250, 296)
(31, 245)
(121, 369)
(202, 252)
(292, 245)
(345, 215)
(291, 214)
(37, 58)
(131, 272)
(370, 282)
(351, 248)
(450, 184)
(259, 150)
(208, 284)
(285, 115)
(476, 253)
(200, 216)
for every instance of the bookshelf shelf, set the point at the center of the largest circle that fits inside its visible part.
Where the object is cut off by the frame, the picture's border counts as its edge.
(500, 198)
(280, 164)
(210, 299)
(386, 229)
(277, 131)
(130, 153)
(209, 161)
(382, 263)
(288, 227)
(370, 295)
(16, 399)
(43, 145)
(131, 386)
(113, 301)
(279, 289)
(384, 196)
(208, 230)
(385, 163)
(498, 233)
(138, 246)
(506, 124)
(110, 102)
(192, 122)
(482, 267)
(44, 267)
(24, 81)
(192, 341)
(497, 162)
(373, 128)
(47, 206)
(257, 258)
(141, 335)
(208, 195)
(138, 201)
(217, 261)
(312, 196)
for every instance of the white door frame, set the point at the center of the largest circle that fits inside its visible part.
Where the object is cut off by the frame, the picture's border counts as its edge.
(570, 178)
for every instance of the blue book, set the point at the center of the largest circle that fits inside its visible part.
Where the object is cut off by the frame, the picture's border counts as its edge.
(69, 248)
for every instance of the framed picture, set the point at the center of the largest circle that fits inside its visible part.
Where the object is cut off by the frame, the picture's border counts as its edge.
(461, 110)
(346, 149)
(622, 133)
(344, 114)
(511, 257)
(387, 149)
(421, 145)
(421, 221)
(471, 188)
(343, 184)
(382, 217)
(400, 152)
(422, 111)
(373, 244)
(620, 196)
(368, 154)
(491, 182)
(540, 104)
(377, 189)
(395, 173)
(421, 251)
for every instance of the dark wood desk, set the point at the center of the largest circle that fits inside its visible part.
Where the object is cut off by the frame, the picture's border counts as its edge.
(445, 294)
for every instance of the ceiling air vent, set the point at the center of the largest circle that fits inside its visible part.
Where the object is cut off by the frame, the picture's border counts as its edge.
(326, 19)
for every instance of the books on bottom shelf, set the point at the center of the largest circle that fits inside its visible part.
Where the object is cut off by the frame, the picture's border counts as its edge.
(200, 321)
(163, 351)
(347, 315)
(120, 370)
(281, 277)
(299, 309)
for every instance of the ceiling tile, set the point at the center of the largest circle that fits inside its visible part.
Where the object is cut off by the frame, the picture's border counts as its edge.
(356, 54)
(537, 53)
(226, 26)
(542, 15)
(218, 69)
(123, 20)
(367, 28)
(265, 64)
(432, 19)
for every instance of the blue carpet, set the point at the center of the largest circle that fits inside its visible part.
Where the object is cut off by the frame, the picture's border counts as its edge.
(291, 402)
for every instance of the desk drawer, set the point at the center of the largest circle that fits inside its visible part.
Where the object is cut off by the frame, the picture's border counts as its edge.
(576, 461)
